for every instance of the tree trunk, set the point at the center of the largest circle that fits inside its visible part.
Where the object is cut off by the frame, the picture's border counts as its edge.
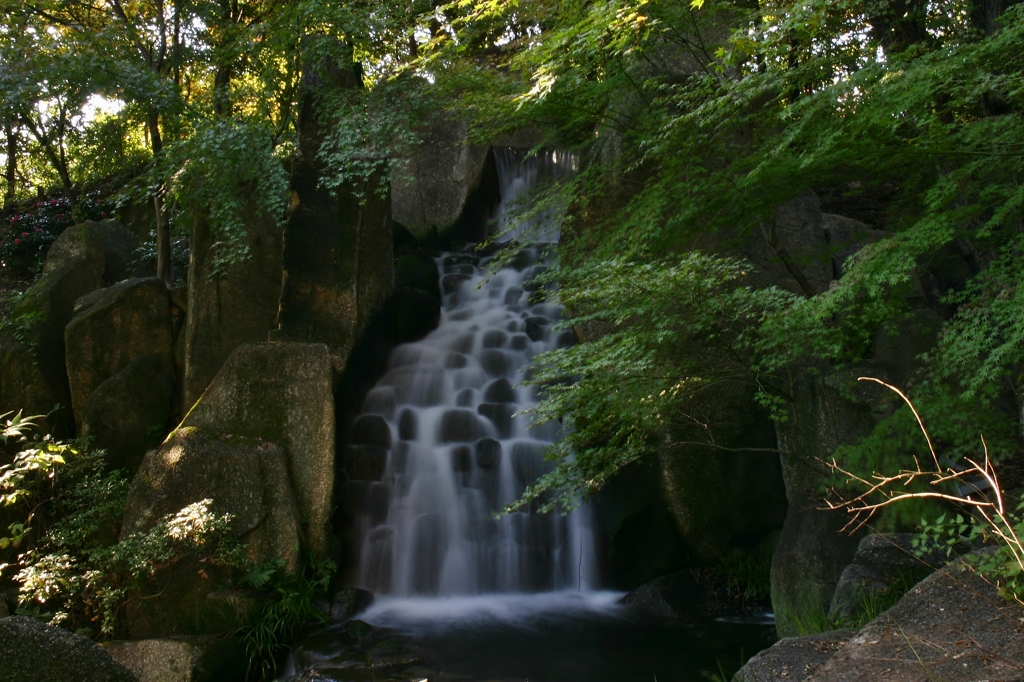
(163, 232)
(11, 172)
(898, 24)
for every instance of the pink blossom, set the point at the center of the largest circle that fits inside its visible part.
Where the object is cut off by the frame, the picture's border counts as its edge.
(103, 215)
(24, 234)
(17, 241)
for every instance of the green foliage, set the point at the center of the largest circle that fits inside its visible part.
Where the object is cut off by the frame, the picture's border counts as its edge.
(225, 171)
(1001, 563)
(675, 330)
(279, 619)
(745, 576)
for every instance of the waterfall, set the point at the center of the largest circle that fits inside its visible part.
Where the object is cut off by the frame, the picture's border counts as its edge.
(458, 451)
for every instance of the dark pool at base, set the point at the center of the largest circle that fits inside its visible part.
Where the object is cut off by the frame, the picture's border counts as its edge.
(549, 638)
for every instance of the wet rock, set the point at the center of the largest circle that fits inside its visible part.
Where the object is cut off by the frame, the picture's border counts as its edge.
(400, 456)
(182, 659)
(500, 391)
(456, 361)
(495, 362)
(371, 429)
(522, 260)
(128, 414)
(366, 462)
(110, 328)
(536, 327)
(421, 386)
(380, 400)
(519, 342)
(528, 461)
(465, 397)
(793, 658)
(500, 414)
(414, 313)
(461, 269)
(452, 283)
(350, 601)
(407, 425)
(566, 339)
(462, 459)
(677, 595)
(460, 426)
(33, 652)
(378, 496)
(513, 296)
(494, 338)
(488, 454)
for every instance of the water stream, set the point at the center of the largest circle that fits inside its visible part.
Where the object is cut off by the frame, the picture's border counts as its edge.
(462, 592)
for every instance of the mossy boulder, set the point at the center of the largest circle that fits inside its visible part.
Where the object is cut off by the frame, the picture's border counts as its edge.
(281, 392)
(128, 414)
(112, 327)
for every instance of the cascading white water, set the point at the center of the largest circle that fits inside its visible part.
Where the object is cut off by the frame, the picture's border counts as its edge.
(459, 453)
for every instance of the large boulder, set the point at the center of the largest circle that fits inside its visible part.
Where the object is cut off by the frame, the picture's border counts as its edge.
(129, 413)
(952, 626)
(793, 658)
(884, 562)
(338, 249)
(431, 187)
(677, 595)
(181, 659)
(112, 327)
(33, 375)
(281, 393)
(229, 304)
(33, 652)
(245, 477)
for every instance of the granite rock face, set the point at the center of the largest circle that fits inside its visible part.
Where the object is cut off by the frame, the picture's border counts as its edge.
(430, 188)
(245, 477)
(281, 393)
(33, 375)
(129, 413)
(793, 658)
(181, 659)
(112, 327)
(952, 626)
(338, 248)
(33, 652)
(883, 562)
(229, 304)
